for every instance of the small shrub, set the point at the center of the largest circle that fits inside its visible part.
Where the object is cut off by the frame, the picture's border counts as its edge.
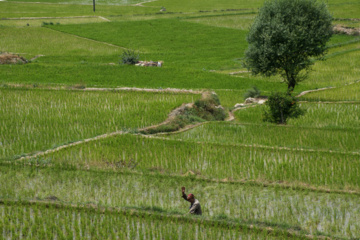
(207, 108)
(280, 107)
(220, 114)
(207, 100)
(79, 86)
(129, 57)
(253, 92)
(47, 23)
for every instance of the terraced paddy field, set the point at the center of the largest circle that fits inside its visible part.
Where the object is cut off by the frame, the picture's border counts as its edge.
(73, 163)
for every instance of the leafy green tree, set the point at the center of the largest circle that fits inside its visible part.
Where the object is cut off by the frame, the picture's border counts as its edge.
(286, 36)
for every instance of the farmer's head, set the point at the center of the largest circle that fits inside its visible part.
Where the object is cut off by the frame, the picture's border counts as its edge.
(191, 197)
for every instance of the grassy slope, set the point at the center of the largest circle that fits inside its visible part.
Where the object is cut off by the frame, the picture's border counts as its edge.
(86, 61)
(177, 43)
(159, 39)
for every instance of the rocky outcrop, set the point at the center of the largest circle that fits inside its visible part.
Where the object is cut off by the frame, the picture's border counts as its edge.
(149, 64)
(346, 30)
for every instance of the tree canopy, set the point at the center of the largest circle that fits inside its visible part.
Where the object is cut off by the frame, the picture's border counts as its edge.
(286, 36)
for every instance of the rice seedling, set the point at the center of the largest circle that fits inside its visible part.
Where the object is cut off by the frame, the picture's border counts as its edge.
(318, 115)
(200, 42)
(213, 161)
(33, 120)
(344, 93)
(332, 214)
(342, 140)
(39, 222)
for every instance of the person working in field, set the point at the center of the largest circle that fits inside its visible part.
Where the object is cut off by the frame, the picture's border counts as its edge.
(195, 207)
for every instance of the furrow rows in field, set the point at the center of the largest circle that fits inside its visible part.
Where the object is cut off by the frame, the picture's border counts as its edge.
(306, 211)
(241, 228)
(42, 153)
(255, 146)
(217, 162)
(45, 118)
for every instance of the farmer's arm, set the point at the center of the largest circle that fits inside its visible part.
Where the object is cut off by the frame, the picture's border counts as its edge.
(183, 193)
(184, 196)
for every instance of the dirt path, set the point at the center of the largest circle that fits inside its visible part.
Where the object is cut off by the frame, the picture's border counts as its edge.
(154, 90)
(42, 153)
(135, 89)
(105, 19)
(315, 90)
(141, 3)
(231, 113)
(231, 117)
(34, 18)
(323, 89)
(250, 106)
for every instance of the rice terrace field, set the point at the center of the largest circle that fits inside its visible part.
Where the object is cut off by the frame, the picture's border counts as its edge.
(94, 149)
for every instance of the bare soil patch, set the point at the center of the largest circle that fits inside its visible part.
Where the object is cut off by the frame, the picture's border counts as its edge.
(9, 58)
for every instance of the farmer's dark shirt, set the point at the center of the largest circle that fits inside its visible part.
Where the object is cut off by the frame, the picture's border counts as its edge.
(195, 207)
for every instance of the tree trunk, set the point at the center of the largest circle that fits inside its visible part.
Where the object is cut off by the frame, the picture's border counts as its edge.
(291, 84)
(291, 81)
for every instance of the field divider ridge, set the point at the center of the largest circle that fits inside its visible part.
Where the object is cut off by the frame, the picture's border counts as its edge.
(325, 88)
(105, 19)
(94, 89)
(41, 153)
(89, 39)
(35, 18)
(140, 4)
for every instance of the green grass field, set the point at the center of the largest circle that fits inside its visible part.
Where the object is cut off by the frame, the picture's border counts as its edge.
(254, 180)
